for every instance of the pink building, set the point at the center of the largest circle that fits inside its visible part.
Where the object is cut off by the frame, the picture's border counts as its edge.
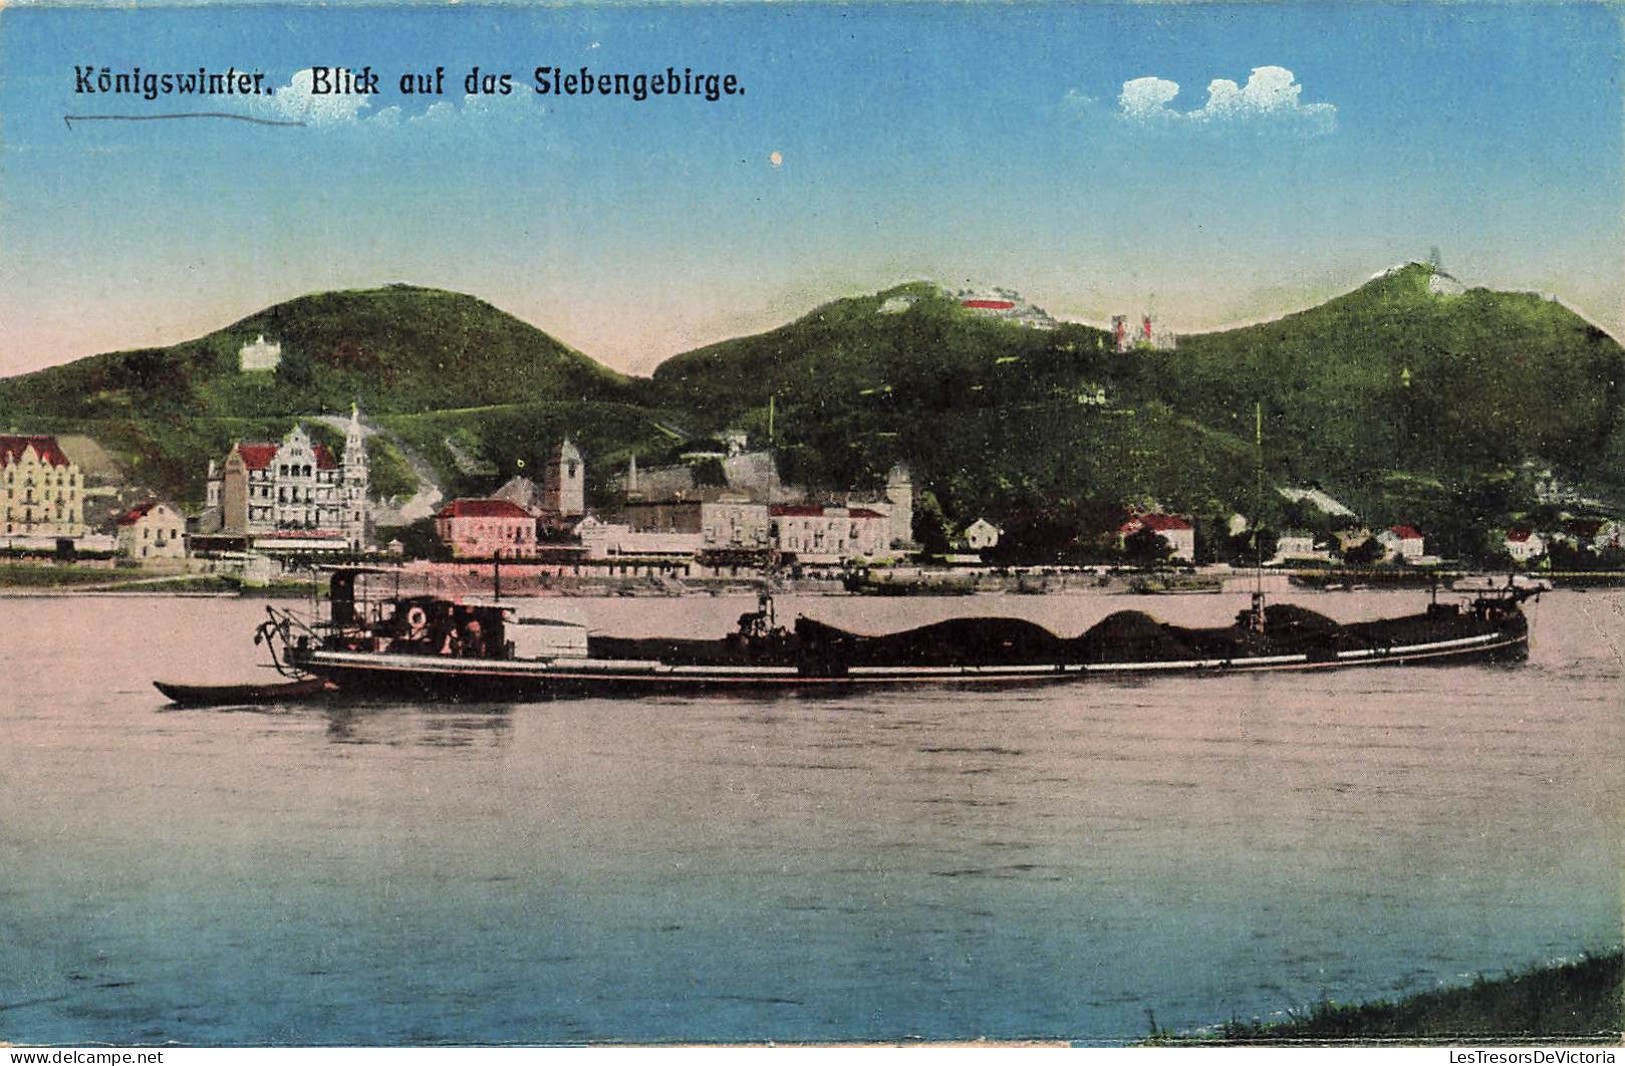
(480, 529)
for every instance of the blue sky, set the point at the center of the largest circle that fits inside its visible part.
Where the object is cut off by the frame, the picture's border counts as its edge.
(1075, 153)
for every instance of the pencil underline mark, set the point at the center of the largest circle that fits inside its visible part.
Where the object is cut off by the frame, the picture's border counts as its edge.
(71, 119)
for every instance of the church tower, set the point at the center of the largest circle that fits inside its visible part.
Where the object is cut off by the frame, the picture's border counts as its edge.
(353, 491)
(564, 481)
(900, 493)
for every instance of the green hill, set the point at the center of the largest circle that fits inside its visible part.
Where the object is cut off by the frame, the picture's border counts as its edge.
(399, 351)
(986, 411)
(1393, 377)
(1417, 406)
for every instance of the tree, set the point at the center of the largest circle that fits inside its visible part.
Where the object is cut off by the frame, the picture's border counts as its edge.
(1365, 553)
(930, 525)
(1146, 547)
(296, 370)
(418, 540)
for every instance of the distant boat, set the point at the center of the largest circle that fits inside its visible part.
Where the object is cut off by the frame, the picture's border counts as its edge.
(439, 648)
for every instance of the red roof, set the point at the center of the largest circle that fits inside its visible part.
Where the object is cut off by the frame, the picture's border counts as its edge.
(136, 513)
(988, 305)
(864, 512)
(466, 508)
(1404, 532)
(12, 448)
(1160, 523)
(1518, 536)
(257, 456)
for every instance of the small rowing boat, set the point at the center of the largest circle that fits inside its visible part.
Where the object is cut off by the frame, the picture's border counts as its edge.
(243, 695)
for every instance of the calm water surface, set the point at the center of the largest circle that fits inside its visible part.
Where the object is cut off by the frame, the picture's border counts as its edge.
(1050, 862)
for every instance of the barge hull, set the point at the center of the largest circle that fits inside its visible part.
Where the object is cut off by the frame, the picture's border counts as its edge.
(444, 679)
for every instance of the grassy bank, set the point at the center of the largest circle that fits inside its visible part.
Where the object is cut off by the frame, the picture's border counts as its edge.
(102, 579)
(51, 577)
(1575, 1002)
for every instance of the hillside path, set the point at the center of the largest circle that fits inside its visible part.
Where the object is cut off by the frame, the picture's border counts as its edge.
(424, 500)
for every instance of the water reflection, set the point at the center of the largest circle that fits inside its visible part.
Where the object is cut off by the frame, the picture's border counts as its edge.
(469, 725)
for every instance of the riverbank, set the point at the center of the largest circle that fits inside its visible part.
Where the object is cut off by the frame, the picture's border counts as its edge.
(1576, 1002)
(675, 579)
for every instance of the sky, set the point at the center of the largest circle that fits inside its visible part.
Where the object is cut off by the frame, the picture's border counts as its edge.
(1210, 164)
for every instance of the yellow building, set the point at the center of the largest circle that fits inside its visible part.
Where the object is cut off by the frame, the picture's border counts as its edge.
(43, 490)
(152, 530)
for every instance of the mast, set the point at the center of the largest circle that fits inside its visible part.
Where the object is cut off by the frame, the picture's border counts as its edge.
(1258, 512)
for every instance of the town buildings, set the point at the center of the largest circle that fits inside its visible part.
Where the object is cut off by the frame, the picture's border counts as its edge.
(44, 491)
(617, 540)
(722, 519)
(293, 486)
(816, 534)
(152, 530)
(486, 529)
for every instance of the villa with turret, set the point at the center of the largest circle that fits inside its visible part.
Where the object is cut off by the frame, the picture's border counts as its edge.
(294, 487)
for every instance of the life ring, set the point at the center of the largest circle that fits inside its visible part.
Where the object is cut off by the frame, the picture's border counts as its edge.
(417, 620)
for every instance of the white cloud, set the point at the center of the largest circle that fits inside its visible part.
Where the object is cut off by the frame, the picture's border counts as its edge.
(296, 102)
(439, 113)
(1147, 98)
(1271, 95)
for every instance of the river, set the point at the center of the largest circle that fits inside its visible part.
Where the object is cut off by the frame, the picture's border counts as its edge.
(1032, 862)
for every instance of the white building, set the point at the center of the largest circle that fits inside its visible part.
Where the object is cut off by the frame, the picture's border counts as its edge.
(617, 540)
(1402, 543)
(1524, 545)
(816, 534)
(264, 488)
(260, 354)
(152, 530)
(1298, 546)
(44, 490)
